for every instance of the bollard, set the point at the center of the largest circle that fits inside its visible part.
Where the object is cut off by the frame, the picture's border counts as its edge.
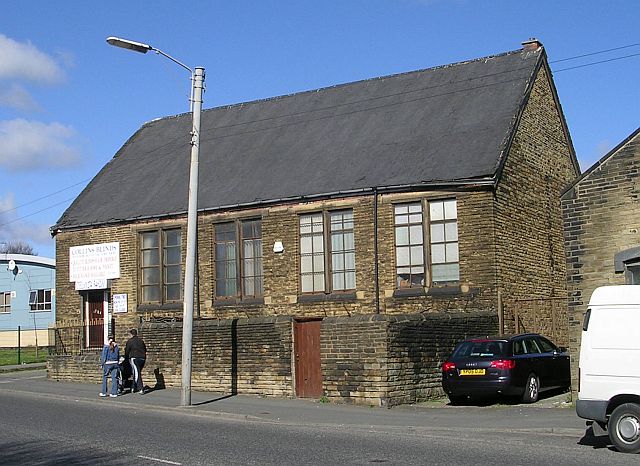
(18, 345)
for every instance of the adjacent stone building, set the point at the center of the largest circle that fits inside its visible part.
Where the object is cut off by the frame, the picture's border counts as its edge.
(347, 236)
(602, 231)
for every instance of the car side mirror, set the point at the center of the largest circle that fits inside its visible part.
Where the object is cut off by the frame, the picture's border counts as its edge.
(562, 349)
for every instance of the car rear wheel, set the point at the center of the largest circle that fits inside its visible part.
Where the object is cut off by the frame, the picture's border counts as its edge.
(531, 389)
(624, 428)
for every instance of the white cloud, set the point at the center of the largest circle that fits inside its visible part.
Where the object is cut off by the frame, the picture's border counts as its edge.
(13, 228)
(26, 145)
(602, 148)
(31, 233)
(6, 204)
(19, 98)
(599, 151)
(23, 61)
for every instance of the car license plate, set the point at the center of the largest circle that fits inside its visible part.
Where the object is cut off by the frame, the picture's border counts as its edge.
(472, 371)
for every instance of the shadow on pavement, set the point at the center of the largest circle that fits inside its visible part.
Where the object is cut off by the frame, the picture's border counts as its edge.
(596, 441)
(220, 398)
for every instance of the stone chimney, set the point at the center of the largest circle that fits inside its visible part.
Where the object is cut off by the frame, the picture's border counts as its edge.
(531, 44)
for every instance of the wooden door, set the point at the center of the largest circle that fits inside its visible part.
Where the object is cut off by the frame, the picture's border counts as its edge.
(307, 359)
(95, 318)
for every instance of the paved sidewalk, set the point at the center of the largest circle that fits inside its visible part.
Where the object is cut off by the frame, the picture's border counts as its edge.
(23, 367)
(432, 415)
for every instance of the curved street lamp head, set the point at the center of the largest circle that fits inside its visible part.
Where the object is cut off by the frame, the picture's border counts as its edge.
(142, 48)
(129, 44)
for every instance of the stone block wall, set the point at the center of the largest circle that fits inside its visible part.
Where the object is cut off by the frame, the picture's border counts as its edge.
(354, 355)
(281, 271)
(419, 344)
(250, 356)
(539, 167)
(601, 218)
(370, 359)
(75, 368)
(385, 360)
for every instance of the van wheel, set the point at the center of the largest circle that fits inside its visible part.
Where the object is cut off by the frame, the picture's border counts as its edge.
(531, 389)
(624, 428)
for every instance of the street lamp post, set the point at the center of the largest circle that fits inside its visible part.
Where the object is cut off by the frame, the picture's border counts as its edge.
(197, 83)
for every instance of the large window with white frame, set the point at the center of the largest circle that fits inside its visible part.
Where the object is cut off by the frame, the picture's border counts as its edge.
(434, 260)
(161, 266)
(443, 240)
(5, 302)
(327, 252)
(40, 300)
(238, 259)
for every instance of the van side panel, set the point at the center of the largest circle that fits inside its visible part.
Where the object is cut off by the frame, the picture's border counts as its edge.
(610, 353)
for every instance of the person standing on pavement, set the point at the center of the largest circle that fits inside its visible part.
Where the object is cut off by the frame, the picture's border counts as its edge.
(109, 363)
(135, 352)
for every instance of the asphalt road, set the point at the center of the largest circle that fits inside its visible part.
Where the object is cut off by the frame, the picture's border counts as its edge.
(46, 422)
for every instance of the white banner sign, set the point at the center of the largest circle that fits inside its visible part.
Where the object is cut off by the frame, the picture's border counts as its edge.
(119, 303)
(94, 262)
(91, 284)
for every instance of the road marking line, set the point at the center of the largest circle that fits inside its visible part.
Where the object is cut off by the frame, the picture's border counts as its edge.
(158, 460)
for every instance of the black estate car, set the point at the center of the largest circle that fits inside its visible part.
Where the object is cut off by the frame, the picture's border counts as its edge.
(516, 365)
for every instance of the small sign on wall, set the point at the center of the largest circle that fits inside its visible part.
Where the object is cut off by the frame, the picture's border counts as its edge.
(94, 262)
(91, 284)
(119, 303)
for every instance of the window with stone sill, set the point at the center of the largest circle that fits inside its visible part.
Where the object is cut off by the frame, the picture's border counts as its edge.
(238, 259)
(161, 266)
(327, 252)
(433, 261)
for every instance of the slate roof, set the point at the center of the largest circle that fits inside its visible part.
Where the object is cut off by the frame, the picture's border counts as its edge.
(443, 125)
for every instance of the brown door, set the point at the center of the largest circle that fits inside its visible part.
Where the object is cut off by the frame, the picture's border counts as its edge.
(95, 318)
(307, 363)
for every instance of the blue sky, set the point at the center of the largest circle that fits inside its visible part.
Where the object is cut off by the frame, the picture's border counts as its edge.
(69, 101)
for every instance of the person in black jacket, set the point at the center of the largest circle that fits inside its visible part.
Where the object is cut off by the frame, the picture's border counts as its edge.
(135, 352)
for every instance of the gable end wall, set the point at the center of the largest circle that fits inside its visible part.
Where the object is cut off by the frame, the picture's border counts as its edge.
(601, 218)
(530, 250)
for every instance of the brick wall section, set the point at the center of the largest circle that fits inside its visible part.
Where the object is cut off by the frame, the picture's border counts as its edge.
(232, 356)
(419, 344)
(530, 245)
(354, 355)
(601, 218)
(281, 271)
(385, 360)
(477, 259)
(373, 359)
(250, 356)
(83, 368)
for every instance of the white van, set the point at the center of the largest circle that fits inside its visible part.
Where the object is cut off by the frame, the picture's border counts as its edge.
(609, 373)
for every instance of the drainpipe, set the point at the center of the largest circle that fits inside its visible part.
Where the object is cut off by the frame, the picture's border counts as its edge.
(375, 248)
